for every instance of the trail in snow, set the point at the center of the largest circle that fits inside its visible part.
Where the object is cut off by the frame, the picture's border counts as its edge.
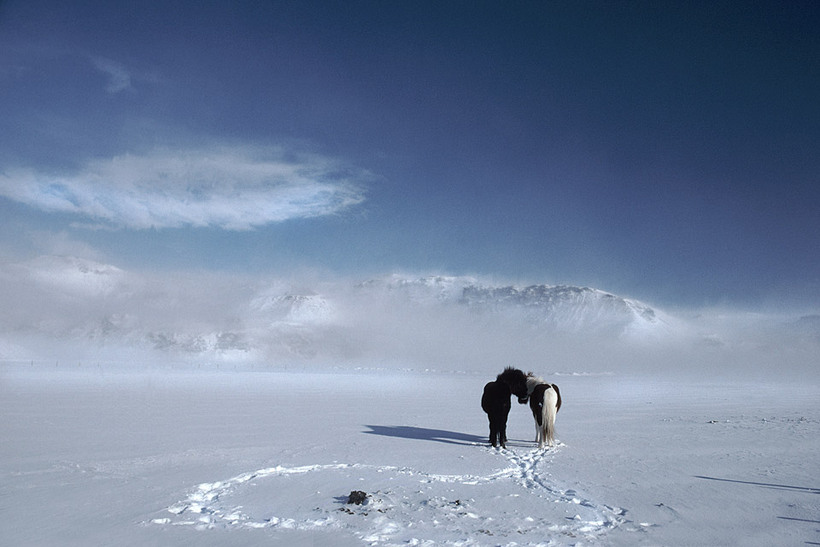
(517, 504)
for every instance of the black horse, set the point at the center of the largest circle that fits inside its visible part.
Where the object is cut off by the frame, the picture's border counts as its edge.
(496, 402)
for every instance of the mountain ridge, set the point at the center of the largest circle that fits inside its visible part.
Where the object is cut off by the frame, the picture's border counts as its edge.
(93, 304)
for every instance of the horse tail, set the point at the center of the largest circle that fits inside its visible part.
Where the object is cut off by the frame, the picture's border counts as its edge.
(550, 409)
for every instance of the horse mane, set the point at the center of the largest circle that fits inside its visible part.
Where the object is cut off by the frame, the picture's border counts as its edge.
(508, 374)
(532, 381)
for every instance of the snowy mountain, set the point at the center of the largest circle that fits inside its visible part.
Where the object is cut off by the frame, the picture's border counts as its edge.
(437, 288)
(93, 306)
(295, 309)
(563, 308)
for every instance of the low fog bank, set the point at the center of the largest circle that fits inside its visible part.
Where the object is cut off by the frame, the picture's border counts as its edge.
(69, 310)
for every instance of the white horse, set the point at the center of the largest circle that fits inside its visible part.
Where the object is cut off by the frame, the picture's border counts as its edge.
(545, 400)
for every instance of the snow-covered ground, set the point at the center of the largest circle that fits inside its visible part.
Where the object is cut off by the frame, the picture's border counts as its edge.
(184, 456)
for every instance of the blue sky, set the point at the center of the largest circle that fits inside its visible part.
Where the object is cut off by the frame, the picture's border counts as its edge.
(664, 151)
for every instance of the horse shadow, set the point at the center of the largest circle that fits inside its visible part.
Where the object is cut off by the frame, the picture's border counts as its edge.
(425, 434)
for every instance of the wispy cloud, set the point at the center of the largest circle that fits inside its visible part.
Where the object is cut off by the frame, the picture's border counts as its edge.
(227, 187)
(119, 79)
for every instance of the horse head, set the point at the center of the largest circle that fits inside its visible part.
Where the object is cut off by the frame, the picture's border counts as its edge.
(516, 380)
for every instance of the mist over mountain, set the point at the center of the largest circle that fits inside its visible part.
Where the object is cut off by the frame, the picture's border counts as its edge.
(550, 308)
(561, 308)
(76, 309)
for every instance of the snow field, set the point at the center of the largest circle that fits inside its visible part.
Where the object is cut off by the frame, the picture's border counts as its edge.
(159, 458)
(408, 506)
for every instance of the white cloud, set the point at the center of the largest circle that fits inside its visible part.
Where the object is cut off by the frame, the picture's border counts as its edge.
(119, 79)
(229, 187)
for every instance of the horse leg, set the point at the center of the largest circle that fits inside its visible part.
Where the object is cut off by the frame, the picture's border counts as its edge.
(493, 431)
(533, 408)
(503, 427)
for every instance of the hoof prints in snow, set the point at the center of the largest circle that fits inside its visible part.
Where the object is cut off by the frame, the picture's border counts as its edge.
(517, 504)
(590, 519)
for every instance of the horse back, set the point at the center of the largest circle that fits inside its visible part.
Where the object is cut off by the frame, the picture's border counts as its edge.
(537, 399)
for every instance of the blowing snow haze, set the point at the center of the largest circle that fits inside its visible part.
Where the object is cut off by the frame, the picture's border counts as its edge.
(70, 309)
